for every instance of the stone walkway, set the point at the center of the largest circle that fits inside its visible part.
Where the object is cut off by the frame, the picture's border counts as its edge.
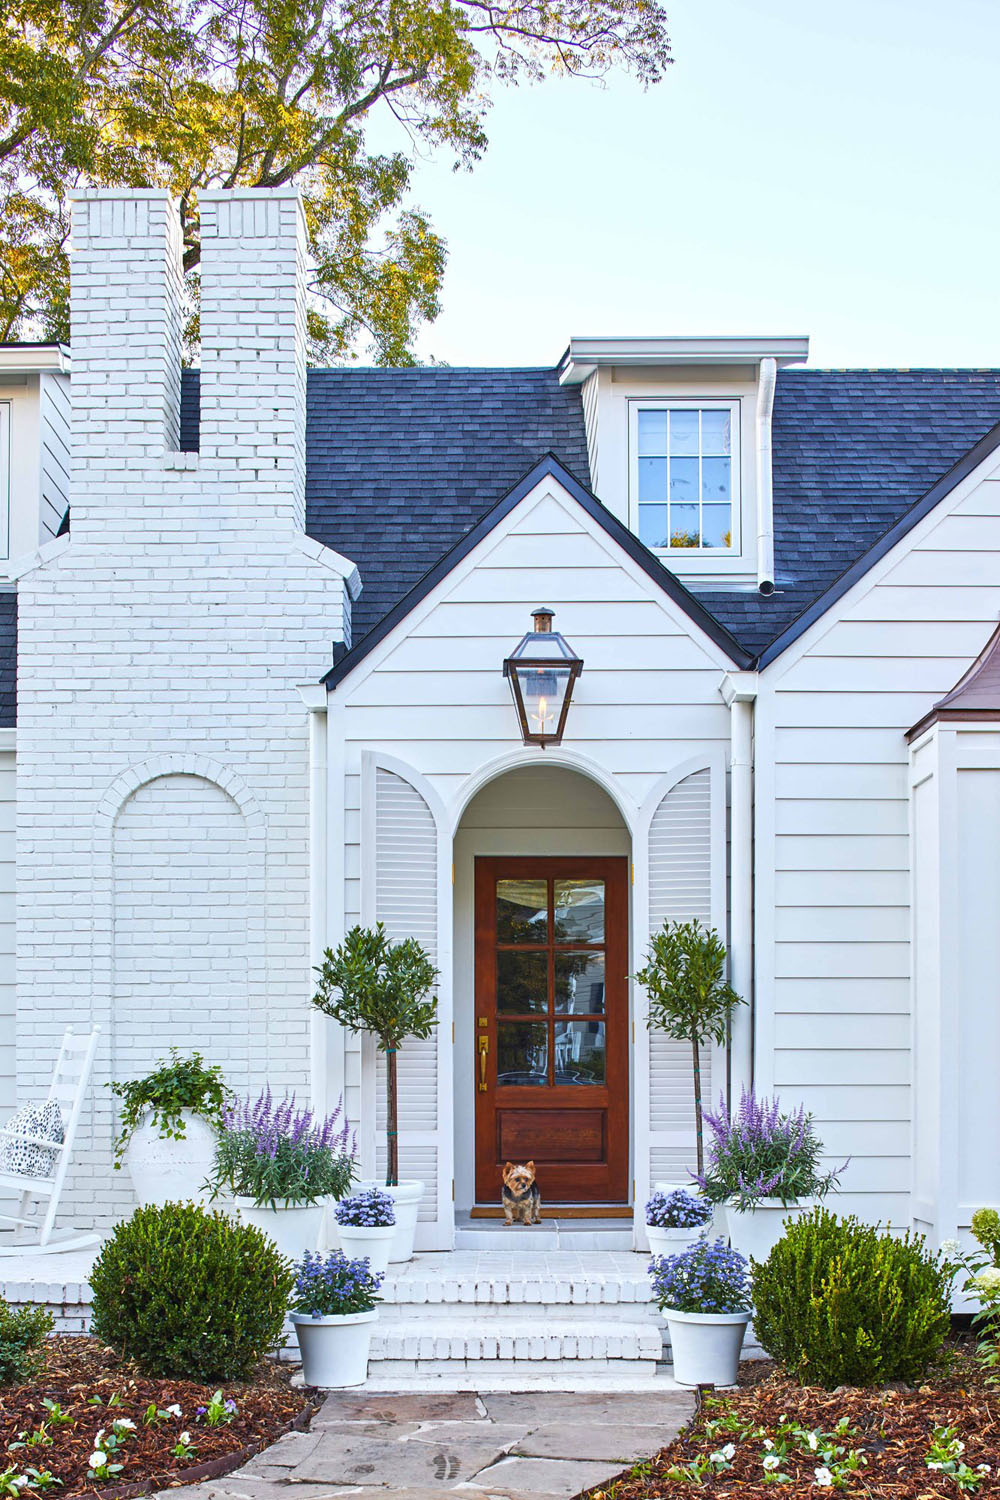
(546, 1446)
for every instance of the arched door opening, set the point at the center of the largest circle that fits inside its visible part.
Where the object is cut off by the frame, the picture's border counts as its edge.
(541, 990)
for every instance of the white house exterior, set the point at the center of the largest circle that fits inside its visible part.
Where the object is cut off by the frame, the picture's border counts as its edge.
(260, 698)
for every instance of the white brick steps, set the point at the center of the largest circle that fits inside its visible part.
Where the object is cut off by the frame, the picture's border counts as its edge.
(560, 1319)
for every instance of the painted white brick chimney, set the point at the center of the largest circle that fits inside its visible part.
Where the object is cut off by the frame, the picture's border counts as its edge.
(162, 762)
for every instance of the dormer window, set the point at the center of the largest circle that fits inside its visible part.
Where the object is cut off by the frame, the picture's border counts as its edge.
(686, 475)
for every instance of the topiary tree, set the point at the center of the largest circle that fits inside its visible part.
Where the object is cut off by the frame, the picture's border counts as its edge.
(688, 997)
(373, 984)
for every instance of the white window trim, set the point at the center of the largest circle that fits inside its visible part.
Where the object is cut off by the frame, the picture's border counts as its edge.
(694, 560)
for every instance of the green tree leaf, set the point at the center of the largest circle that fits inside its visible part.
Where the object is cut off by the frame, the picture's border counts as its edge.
(196, 94)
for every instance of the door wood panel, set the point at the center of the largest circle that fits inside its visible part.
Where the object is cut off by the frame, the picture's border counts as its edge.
(551, 1025)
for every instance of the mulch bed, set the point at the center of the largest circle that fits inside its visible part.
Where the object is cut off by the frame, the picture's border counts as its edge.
(85, 1378)
(890, 1430)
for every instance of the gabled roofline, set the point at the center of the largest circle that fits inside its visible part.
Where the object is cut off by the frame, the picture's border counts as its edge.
(547, 467)
(970, 461)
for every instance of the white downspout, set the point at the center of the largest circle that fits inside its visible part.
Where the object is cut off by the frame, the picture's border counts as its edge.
(765, 497)
(315, 699)
(739, 689)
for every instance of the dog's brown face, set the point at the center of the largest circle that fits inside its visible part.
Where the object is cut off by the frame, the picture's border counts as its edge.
(519, 1179)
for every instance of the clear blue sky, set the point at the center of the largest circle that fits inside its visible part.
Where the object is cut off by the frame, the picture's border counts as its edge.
(805, 167)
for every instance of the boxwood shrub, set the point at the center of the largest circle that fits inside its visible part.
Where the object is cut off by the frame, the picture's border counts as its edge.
(839, 1302)
(23, 1331)
(190, 1295)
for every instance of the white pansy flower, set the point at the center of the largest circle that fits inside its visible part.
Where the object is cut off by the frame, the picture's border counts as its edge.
(99, 1439)
(185, 1437)
(772, 1461)
(823, 1477)
(124, 1422)
(768, 1444)
(983, 1469)
(932, 1465)
(174, 1410)
(730, 1450)
(98, 1459)
(813, 1441)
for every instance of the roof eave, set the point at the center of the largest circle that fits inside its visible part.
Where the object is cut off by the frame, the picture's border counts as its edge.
(34, 359)
(585, 355)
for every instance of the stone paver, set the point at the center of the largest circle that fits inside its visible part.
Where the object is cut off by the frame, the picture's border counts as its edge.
(539, 1446)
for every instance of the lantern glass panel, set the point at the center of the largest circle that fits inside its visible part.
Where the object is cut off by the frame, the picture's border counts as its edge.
(543, 690)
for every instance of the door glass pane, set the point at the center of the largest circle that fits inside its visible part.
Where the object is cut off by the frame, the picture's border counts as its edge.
(579, 911)
(522, 911)
(580, 1055)
(580, 983)
(522, 982)
(522, 1053)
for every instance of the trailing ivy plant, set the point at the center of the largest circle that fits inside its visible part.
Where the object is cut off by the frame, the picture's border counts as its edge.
(688, 996)
(373, 984)
(180, 1084)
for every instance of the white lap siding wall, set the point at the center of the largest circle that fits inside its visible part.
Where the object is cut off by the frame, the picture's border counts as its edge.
(163, 812)
(833, 851)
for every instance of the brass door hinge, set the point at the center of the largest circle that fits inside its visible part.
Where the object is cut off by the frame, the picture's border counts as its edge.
(453, 1190)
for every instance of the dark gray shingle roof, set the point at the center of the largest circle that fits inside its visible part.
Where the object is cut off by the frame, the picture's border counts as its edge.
(403, 463)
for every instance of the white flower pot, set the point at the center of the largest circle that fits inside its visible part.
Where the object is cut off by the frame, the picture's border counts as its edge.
(294, 1228)
(169, 1171)
(756, 1232)
(358, 1241)
(335, 1349)
(406, 1198)
(672, 1241)
(705, 1347)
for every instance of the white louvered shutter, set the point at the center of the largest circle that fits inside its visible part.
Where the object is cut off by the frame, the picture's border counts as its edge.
(680, 888)
(406, 901)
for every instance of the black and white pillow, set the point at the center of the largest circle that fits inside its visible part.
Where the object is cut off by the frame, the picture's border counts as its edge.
(24, 1157)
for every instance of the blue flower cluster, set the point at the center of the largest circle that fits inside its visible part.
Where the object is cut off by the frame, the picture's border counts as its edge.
(370, 1209)
(331, 1286)
(677, 1210)
(706, 1278)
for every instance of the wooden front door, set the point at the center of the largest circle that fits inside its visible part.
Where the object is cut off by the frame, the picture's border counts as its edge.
(551, 1026)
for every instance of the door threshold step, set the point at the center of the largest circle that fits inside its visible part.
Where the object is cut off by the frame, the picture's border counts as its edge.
(551, 1235)
(487, 1379)
(419, 1342)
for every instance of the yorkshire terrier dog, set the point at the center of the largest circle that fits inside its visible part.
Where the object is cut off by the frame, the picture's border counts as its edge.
(521, 1199)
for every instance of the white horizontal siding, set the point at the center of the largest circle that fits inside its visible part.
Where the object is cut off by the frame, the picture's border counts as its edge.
(833, 840)
(8, 1075)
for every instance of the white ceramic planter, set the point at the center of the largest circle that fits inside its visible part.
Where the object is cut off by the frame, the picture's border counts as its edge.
(705, 1347)
(168, 1171)
(406, 1198)
(294, 1229)
(358, 1242)
(757, 1232)
(672, 1241)
(335, 1350)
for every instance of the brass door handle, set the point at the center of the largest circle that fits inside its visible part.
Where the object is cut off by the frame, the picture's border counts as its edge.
(484, 1047)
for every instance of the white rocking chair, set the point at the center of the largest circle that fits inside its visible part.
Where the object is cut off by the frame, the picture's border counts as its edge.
(67, 1089)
